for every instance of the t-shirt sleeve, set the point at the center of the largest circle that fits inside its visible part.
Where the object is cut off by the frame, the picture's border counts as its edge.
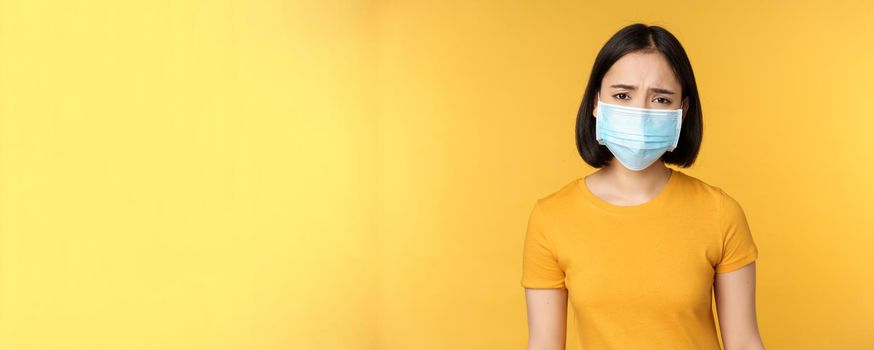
(738, 247)
(540, 268)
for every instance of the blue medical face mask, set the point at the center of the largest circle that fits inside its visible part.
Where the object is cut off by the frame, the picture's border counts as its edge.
(637, 136)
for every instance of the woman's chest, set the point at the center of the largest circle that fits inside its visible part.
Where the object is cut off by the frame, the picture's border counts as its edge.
(639, 261)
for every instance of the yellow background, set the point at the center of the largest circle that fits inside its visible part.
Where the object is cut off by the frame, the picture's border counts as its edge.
(357, 174)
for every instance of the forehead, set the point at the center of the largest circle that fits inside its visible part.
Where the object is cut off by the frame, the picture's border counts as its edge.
(649, 68)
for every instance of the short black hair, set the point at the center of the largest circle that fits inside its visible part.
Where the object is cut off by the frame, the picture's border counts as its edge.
(641, 37)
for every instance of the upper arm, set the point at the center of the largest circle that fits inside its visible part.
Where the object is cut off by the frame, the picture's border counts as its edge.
(540, 267)
(735, 279)
(735, 294)
(738, 246)
(545, 292)
(547, 318)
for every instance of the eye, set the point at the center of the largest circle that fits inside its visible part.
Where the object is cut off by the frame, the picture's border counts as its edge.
(666, 101)
(621, 94)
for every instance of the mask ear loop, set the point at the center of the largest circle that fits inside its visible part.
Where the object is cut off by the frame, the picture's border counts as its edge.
(679, 125)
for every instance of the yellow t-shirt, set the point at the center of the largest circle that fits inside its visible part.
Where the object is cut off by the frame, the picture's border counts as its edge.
(641, 276)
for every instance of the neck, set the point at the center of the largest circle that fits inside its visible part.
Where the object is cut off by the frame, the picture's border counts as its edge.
(630, 182)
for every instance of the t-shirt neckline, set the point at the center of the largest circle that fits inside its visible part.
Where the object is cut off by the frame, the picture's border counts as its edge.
(653, 203)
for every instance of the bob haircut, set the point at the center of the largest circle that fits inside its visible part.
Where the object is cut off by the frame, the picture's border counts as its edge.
(640, 37)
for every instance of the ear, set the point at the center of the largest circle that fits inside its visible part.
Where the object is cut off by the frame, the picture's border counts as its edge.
(685, 106)
(595, 103)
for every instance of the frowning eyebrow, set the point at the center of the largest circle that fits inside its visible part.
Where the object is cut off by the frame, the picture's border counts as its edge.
(633, 87)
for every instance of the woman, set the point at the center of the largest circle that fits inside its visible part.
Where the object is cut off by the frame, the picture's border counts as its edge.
(636, 246)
